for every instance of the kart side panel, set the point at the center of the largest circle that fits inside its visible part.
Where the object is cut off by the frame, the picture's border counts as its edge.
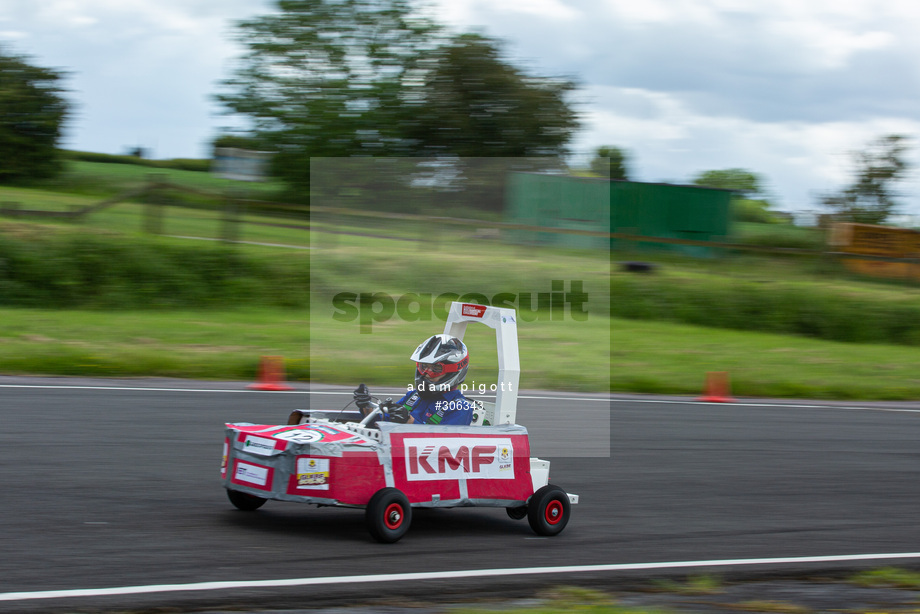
(328, 464)
(459, 466)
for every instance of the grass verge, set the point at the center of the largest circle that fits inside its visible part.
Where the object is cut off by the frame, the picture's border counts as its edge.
(891, 577)
(188, 344)
(565, 599)
(705, 584)
(645, 357)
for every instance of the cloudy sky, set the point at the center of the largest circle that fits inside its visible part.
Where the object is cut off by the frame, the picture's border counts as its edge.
(784, 88)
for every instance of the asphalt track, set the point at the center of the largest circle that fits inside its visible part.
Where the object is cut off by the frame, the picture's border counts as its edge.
(111, 500)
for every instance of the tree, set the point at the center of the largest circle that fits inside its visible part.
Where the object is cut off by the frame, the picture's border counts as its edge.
(742, 181)
(746, 207)
(468, 101)
(322, 78)
(611, 162)
(870, 199)
(335, 78)
(32, 117)
(465, 102)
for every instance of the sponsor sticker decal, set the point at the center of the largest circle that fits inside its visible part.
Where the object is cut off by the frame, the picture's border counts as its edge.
(316, 433)
(254, 474)
(300, 436)
(259, 445)
(476, 311)
(313, 473)
(468, 458)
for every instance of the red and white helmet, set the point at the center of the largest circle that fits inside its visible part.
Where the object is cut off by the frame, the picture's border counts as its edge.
(441, 363)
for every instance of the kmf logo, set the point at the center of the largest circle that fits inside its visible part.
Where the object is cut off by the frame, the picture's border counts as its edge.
(469, 458)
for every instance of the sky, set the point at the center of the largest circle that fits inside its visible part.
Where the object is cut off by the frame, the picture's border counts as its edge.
(784, 88)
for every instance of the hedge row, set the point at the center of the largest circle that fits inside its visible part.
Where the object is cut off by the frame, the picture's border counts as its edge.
(92, 272)
(786, 308)
(181, 164)
(84, 270)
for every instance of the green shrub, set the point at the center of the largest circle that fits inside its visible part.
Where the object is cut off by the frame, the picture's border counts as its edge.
(756, 211)
(778, 235)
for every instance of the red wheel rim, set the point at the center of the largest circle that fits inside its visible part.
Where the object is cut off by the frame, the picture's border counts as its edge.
(393, 516)
(554, 512)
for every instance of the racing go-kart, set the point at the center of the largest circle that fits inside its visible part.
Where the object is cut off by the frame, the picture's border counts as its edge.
(347, 459)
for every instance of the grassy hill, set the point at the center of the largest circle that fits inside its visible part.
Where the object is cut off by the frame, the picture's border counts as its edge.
(100, 296)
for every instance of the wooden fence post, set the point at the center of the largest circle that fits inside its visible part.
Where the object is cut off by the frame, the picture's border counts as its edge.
(153, 206)
(232, 218)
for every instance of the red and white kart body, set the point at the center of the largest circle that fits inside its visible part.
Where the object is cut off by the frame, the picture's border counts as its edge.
(390, 469)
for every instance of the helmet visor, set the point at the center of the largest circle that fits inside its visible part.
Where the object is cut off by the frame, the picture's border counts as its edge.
(435, 371)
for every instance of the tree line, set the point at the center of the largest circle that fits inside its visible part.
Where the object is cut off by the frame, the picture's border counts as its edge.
(375, 78)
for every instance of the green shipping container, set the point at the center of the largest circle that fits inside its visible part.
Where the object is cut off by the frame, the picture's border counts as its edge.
(628, 207)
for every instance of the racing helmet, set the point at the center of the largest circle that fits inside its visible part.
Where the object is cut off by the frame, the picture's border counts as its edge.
(441, 364)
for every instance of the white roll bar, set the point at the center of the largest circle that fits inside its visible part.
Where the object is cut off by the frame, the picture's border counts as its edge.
(504, 321)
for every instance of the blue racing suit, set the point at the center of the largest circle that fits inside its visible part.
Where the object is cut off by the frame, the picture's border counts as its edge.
(450, 408)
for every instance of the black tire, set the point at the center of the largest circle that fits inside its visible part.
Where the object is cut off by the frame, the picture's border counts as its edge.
(517, 513)
(388, 515)
(244, 501)
(548, 511)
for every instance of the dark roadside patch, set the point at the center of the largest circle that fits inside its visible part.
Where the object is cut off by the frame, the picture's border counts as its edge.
(787, 596)
(700, 594)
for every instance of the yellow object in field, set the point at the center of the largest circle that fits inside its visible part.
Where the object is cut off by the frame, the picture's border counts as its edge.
(882, 241)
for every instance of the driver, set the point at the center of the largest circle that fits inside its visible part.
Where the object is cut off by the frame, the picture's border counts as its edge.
(441, 365)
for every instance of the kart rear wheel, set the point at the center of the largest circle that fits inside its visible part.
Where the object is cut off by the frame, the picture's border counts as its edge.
(244, 501)
(548, 511)
(517, 513)
(388, 515)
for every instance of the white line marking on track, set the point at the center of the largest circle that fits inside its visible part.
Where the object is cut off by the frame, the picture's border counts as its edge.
(472, 392)
(764, 404)
(682, 402)
(444, 575)
(738, 404)
(149, 389)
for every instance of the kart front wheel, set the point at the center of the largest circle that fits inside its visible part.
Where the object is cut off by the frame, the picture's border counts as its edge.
(548, 511)
(244, 501)
(388, 515)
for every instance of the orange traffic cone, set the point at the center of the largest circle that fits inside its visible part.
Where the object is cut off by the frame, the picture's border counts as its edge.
(717, 388)
(271, 374)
